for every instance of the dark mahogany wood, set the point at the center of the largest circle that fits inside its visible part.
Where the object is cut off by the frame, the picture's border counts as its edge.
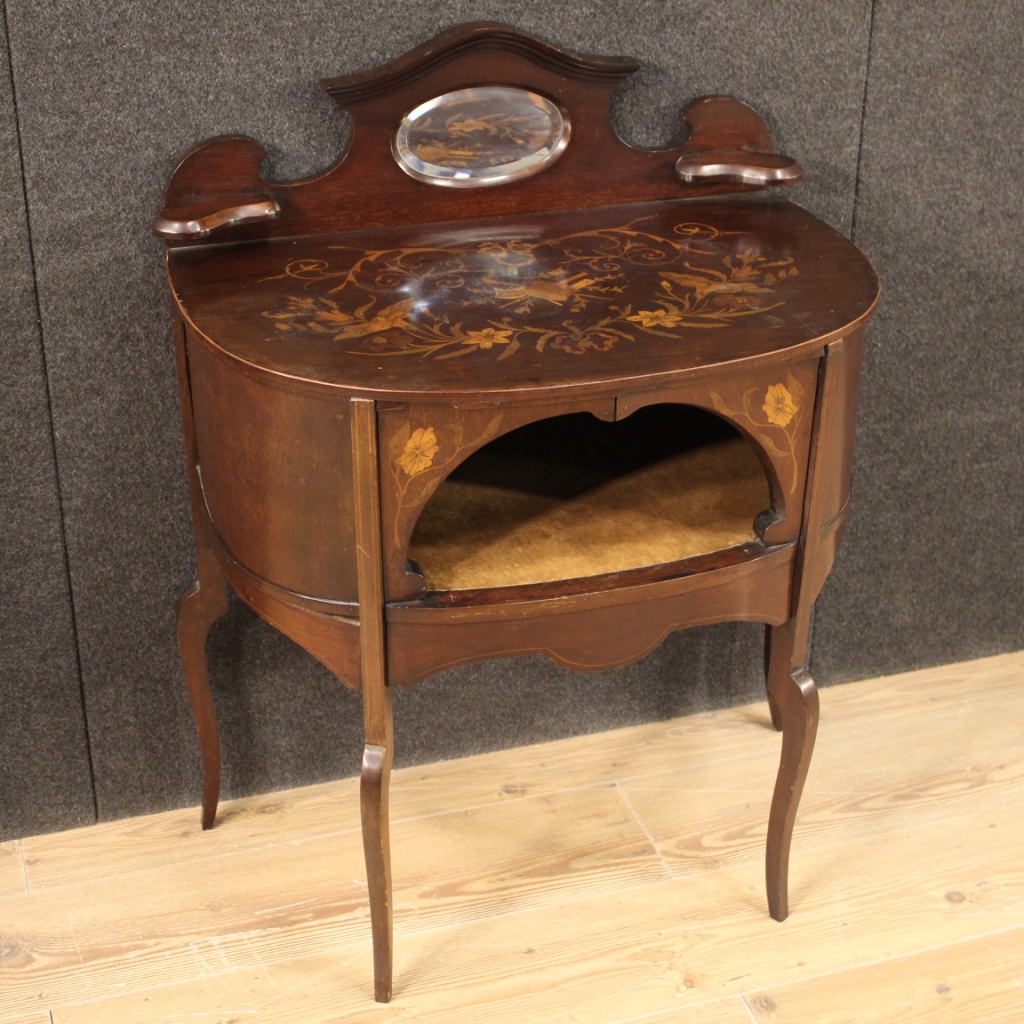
(355, 346)
(200, 605)
(729, 143)
(198, 608)
(597, 629)
(366, 189)
(377, 716)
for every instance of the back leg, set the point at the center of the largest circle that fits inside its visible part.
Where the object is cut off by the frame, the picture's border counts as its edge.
(199, 607)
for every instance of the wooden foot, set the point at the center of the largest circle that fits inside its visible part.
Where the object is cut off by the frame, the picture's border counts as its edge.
(795, 697)
(199, 607)
(374, 784)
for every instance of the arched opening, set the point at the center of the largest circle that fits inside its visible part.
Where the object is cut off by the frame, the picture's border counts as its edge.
(574, 496)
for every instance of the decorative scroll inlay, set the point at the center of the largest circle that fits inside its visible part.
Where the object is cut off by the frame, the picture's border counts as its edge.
(564, 294)
(782, 408)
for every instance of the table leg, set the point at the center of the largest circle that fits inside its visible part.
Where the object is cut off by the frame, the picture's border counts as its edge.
(199, 607)
(377, 717)
(773, 707)
(373, 792)
(794, 699)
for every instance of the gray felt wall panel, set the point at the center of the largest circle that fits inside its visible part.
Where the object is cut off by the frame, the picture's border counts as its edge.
(137, 85)
(933, 561)
(44, 763)
(110, 93)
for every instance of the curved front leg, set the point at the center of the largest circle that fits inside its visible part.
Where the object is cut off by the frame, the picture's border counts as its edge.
(793, 698)
(373, 794)
(199, 607)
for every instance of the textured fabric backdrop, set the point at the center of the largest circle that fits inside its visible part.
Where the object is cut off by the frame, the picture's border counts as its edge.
(907, 119)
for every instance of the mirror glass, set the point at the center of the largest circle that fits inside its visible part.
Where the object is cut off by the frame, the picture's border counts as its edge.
(489, 135)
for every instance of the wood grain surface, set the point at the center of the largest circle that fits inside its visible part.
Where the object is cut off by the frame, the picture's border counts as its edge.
(978, 980)
(12, 873)
(606, 878)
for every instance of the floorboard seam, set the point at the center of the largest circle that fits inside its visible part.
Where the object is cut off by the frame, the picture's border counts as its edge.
(659, 1015)
(650, 838)
(24, 868)
(529, 909)
(895, 957)
(1002, 963)
(750, 1009)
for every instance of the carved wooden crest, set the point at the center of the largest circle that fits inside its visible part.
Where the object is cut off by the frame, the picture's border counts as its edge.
(481, 104)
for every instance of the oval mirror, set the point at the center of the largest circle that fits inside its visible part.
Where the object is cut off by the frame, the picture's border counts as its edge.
(488, 135)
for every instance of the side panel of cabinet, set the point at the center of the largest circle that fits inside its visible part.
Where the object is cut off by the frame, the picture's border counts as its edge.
(835, 486)
(773, 407)
(834, 466)
(421, 445)
(276, 469)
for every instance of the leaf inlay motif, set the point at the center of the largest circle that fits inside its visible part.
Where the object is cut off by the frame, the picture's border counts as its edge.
(494, 298)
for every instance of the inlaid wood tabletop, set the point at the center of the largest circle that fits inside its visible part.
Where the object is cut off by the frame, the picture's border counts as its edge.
(519, 303)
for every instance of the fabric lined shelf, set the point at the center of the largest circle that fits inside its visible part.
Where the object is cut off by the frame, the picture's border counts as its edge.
(474, 534)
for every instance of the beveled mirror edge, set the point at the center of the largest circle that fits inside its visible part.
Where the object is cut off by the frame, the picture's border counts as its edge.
(403, 156)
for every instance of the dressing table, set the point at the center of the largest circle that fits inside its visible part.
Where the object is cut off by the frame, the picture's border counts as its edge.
(498, 383)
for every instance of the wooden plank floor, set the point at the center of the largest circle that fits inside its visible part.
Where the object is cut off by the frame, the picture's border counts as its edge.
(608, 878)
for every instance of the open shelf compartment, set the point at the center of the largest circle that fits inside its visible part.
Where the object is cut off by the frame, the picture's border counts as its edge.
(573, 496)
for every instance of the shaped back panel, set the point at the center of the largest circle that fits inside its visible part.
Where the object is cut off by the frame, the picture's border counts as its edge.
(218, 190)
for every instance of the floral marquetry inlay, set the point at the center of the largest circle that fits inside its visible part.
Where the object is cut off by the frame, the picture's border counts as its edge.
(781, 412)
(779, 405)
(497, 297)
(418, 451)
(420, 456)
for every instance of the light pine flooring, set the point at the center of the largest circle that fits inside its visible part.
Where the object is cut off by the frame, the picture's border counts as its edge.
(609, 878)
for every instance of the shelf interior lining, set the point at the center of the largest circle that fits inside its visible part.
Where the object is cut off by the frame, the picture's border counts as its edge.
(477, 533)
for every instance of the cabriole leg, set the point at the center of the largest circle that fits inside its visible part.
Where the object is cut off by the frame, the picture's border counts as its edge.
(794, 701)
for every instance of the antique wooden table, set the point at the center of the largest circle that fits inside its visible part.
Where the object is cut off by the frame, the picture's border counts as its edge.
(498, 383)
